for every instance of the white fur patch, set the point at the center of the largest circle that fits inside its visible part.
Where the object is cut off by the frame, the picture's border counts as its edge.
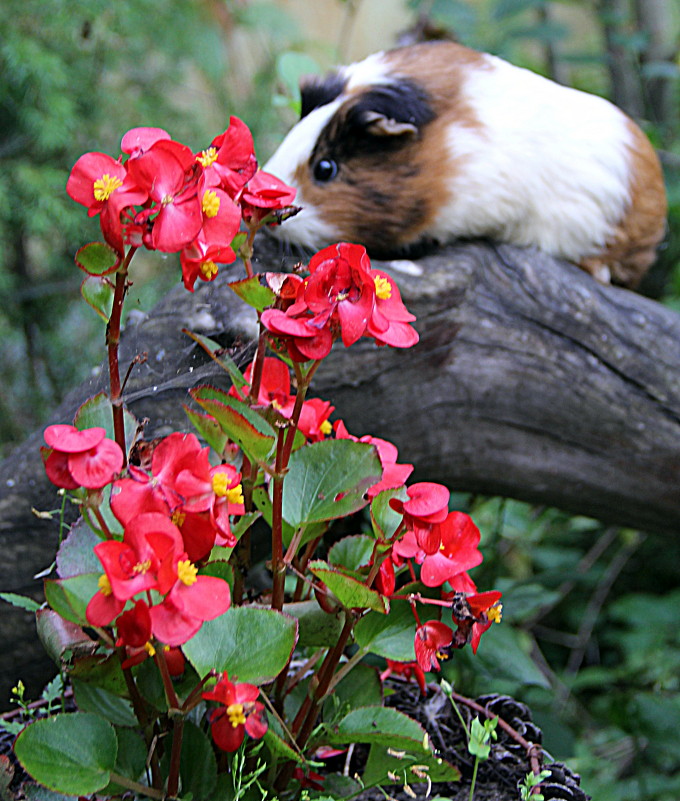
(550, 168)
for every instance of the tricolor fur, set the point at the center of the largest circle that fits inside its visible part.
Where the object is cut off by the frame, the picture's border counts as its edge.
(437, 142)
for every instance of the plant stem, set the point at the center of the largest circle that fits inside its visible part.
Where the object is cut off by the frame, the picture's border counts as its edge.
(140, 789)
(175, 755)
(474, 779)
(112, 342)
(278, 565)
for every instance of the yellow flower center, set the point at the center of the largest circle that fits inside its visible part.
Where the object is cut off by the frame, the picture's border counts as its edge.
(104, 585)
(105, 186)
(495, 614)
(211, 203)
(209, 269)
(236, 715)
(206, 157)
(167, 200)
(187, 572)
(178, 517)
(149, 649)
(325, 428)
(235, 494)
(142, 567)
(220, 484)
(383, 289)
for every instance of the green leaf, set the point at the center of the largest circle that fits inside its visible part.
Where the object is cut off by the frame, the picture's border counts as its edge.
(382, 725)
(218, 354)
(130, 760)
(316, 627)
(384, 519)
(412, 767)
(20, 601)
(327, 480)
(61, 637)
(253, 644)
(76, 555)
(504, 651)
(242, 424)
(208, 428)
(263, 502)
(390, 636)
(97, 258)
(70, 596)
(279, 747)
(253, 292)
(101, 670)
(103, 703)
(352, 552)
(97, 411)
(360, 687)
(70, 753)
(98, 293)
(351, 592)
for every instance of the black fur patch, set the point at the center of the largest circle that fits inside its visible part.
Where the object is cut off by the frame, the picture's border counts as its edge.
(317, 92)
(403, 101)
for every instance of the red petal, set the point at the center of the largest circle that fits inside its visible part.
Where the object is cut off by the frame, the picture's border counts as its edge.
(95, 468)
(69, 439)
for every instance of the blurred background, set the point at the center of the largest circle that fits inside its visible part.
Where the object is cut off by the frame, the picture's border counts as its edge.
(590, 638)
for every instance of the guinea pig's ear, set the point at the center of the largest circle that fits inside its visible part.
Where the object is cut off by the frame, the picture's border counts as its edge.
(378, 124)
(316, 91)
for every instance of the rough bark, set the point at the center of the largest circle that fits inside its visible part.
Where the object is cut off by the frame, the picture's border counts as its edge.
(530, 380)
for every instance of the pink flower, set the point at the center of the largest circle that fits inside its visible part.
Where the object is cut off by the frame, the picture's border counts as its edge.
(431, 638)
(102, 185)
(457, 552)
(81, 458)
(230, 160)
(240, 714)
(264, 193)
(389, 322)
(426, 506)
(191, 600)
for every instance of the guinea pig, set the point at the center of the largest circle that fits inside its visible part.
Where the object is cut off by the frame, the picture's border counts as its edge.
(436, 142)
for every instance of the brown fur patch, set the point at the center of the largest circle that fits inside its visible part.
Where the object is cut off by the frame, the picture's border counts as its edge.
(632, 250)
(388, 198)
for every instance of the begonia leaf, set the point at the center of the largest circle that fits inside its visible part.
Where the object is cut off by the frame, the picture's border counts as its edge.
(98, 292)
(352, 552)
(20, 601)
(219, 355)
(103, 703)
(316, 627)
(378, 724)
(327, 480)
(130, 759)
(61, 637)
(241, 424)
(391, 636)
(208, 429)
(415, 766)
(69, 597)
(350, 591)
(253, 644)
(264, 503)
(97, 258)
(278, 746)
(75, 555)
(69, 753)
(253, 292)
(96, 411)
(384, 519)
(360, 687)
(101, 670)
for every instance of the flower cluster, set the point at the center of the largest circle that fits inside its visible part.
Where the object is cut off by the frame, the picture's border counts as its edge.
(166, 197)
(342, 297)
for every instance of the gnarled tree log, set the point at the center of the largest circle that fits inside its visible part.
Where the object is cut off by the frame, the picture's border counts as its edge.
(530, 380)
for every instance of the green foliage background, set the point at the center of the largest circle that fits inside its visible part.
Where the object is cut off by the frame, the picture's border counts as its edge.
(590, 638)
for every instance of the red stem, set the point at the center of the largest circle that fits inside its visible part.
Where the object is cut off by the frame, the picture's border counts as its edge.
(112, 342)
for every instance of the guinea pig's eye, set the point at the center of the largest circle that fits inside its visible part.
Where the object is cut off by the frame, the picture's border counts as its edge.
(325, 170)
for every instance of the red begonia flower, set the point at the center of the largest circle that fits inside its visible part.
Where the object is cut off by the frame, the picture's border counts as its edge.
(239, 714)
(265, 191)
(200, 260)
(457, 553)
(386, 581)
(138, 140)
(81, 458)
(134, 626)
(426, 506)
(302, 340)
(389, 321)
(103, 607)
(192, 600)
(230, 160)
(103, 185)
(407, 670)
(430, 638)
(134, 565)
(313, 422)
(274, 386)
